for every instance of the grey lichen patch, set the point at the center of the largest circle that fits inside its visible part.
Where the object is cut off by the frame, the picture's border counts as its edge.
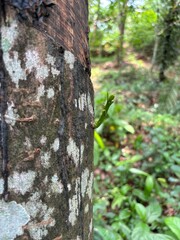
(34, 62)
(70, 59)
(55, 145)
(74, 203)
(51, 60)
(22, 182)
(84, 181)
(82, 153)
(73, 151)
(9, 36)
(12, 63)
(37, 233)
(90, 105)
(50, 93)
(90, 228)
(90, 186)
(69, 187)
(34, 205)
(43, 140)
(56, 185)
(36, 208)
(27, 143)
(74, 211)
(83, 102)
(11, 115)
(12, 218)
(45, 159)
(85, 184)
(13, 66)
(86, 208)
(1, 185)
(40, 92)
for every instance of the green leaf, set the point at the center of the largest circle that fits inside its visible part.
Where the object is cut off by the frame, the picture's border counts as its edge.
(125, 189)
(124, 229)
(141, 211)
(149, 183)
(129, 128)
(140, 232)
(140, 194)
(125, 125)
(106, 233)
(138, 171)
(176, 170)
(117, 202)
(174, 224)
(154, 211)
(132, 160)
(99, 140)
(124, 214)
(162, 180)
(160, 237)
(156, 236)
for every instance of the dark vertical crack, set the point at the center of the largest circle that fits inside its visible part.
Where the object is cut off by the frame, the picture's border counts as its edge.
(2, 11)
(3, 108)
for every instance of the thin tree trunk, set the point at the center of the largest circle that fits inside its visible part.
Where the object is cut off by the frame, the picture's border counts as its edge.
(46, 116)
(156, 44)
(121, 25)
(155, 50)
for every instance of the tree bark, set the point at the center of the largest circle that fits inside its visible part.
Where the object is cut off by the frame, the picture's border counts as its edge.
(121, 25)
(46, 119)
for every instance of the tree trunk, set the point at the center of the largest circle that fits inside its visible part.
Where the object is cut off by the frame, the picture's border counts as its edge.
(155, 50)
(168, 47)
(46, 119)
(156, 43)
(121, 25)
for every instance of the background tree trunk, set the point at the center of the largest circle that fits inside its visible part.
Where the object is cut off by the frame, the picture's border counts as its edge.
(46, 116)
(122, 7)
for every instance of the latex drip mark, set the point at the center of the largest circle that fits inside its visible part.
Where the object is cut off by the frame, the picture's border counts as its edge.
(33, 10)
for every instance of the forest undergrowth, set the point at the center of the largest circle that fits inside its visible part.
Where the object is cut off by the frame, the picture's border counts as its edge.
(137, 152)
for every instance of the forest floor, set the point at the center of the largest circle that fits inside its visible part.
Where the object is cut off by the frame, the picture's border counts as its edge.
(131, 59)
(137, 150)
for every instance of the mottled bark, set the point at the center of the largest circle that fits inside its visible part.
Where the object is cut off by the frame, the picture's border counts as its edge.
(47, 115)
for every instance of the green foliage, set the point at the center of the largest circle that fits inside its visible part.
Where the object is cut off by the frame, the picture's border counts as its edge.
(103, 29)
(105, 26)
(141, 30)
(137, 157)
(174, 224)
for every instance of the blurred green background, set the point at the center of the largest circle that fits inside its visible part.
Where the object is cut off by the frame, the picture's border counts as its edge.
(135, 56)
